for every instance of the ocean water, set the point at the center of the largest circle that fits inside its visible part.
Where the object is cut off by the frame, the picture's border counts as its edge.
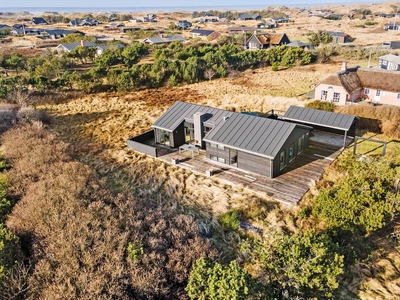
(41, 10)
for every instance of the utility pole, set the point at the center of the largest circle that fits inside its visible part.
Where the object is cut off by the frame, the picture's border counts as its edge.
(369, 59)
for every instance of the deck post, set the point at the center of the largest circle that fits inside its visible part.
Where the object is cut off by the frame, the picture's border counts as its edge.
(345, 138)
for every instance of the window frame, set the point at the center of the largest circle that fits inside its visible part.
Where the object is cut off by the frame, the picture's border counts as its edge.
(336, 97)
(324, 95)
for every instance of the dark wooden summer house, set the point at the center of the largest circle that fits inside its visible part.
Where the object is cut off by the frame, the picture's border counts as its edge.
(260, 145)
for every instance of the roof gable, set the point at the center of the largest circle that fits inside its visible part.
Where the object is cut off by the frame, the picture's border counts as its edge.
(348, 79)
(270, 38)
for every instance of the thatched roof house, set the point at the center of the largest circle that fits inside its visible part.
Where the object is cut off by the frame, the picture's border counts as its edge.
(354, 84)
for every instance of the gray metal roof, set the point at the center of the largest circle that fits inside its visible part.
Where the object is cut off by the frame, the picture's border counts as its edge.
(336, 33)
(297, 43)
(257, 135)
(319, 117)
(112, 47)
(202, 32)
(38, 21)
(165, 39)
(72, 46)
(181, 111)
(174, 38)
(57, 31)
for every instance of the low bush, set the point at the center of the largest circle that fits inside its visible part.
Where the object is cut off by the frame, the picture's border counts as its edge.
(229, 220)
(321, 105)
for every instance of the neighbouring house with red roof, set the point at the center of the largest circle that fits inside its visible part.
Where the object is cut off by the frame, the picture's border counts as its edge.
(351, 85)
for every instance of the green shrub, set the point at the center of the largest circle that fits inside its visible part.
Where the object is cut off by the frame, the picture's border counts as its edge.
(211, 280)
(275, 67)
(135, 251)
(321, 105)
(229, 220)
(370, 23)
(304, 212)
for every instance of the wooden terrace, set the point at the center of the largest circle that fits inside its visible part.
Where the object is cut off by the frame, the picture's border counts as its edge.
(288, 188)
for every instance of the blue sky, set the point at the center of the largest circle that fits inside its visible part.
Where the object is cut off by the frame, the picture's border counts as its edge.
(164, 3)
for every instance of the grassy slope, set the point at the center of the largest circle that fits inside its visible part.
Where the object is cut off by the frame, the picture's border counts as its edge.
(98, 126)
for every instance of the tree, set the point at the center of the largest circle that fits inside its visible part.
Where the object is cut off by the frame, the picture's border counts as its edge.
(15, 61)
(133, 53)
(209, 73)
(365, 197)
(107, 59)
(211, 280)
(303, 264)
(320, 37)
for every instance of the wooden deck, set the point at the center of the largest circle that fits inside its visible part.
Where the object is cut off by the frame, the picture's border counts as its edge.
(289, 187)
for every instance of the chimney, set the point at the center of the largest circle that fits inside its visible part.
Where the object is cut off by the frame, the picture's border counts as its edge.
(344, 66)
(82, 43)
(198, 119)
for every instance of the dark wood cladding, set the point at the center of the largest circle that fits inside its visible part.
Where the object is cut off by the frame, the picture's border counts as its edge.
(177, 137)
(137, 143)
(254, 163)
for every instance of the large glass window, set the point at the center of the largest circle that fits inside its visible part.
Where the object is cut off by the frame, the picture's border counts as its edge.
(378, 93)
(398, 96)
(291, 152)
(324, 95)
(336, 97)
(189, 132)
(300, 145)
(162, 137)
(233, 156)
(282, 160)
(366, 91)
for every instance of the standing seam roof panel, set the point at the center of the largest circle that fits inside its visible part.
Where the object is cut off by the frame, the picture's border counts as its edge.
(320, 117)
(228, 132)
(236, 137)
(249, 133)
(329, 119)
(268, 142)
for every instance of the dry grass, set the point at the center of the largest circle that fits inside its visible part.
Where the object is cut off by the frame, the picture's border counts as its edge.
(98, 126)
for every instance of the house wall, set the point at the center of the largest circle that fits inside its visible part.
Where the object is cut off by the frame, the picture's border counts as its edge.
(253, 43)
(293, 138)
(389, 98)
(387, 65)
(339, 39)
(331, 90)
(285, 40)
(136, 143)
(254, 163)
(177, 137)
(220, 153)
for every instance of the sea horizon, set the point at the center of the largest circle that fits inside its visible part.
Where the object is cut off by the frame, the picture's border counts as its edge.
(112, 9)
